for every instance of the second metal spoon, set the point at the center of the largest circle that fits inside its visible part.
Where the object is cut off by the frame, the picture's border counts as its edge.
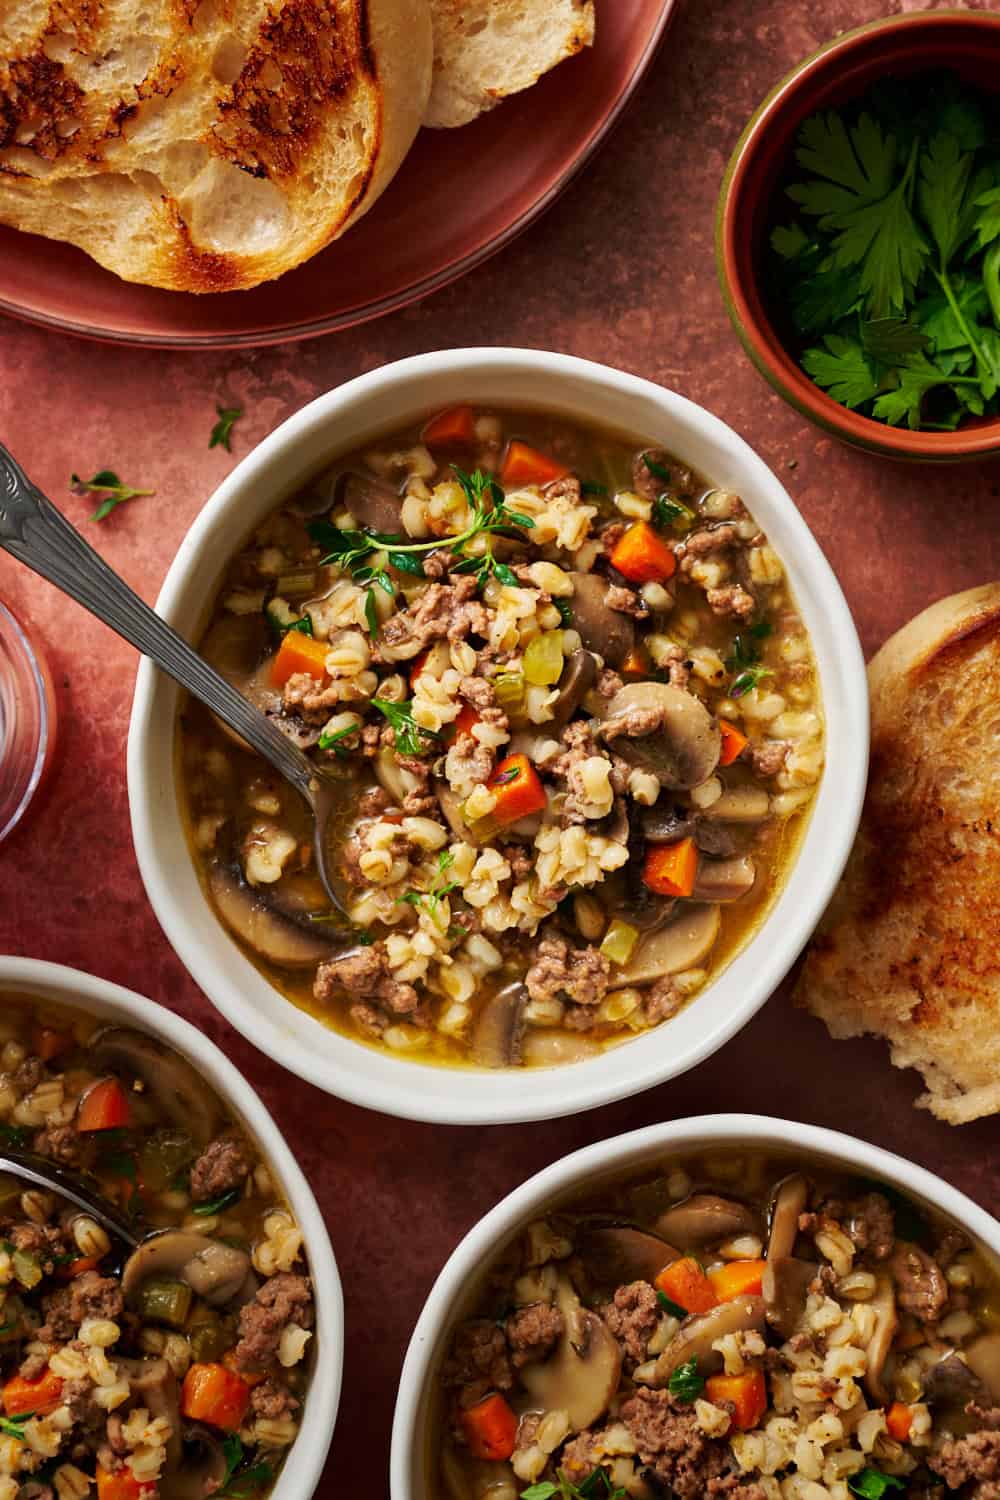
(34, 531)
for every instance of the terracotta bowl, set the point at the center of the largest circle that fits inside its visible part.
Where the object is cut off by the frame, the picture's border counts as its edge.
(966, 42)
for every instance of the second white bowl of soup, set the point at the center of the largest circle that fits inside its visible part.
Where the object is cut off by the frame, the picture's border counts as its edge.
(597, 706)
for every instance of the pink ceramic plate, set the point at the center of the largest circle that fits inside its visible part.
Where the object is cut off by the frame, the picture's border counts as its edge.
(460, 196)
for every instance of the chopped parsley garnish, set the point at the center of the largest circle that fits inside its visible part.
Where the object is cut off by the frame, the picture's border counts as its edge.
(673, 1308)
(892, 268)
(744, 660)
(873, 1484)
(598, 1485)
(14, 1136)
(431, 900)
(657, 470)
(241, 1480)
(588, 487)
(511, 774)
(14, 1426)
(217, 1205)
(106, 482)
(671, 514)
(565, 612)
(685, 1383)
(335, 741)
(411, 738)
(222, 432)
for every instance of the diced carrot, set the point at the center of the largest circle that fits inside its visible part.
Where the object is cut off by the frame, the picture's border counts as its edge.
(39, 1396)
(899, 1420)
(215, 1395)
(299, 653)
(636, 663)
(518, 790)
(746, 1392)
(467, 720)
(78, 1266)
(104, 1106)
(122, 1485)
(418, 664)
(48, 1043)
(525, 465)
(733, 743)
(740, 1278)
(642, 556)
(670, 869)
(251, 1377)
(450, 428)
(490, 1429)
(685, 1283)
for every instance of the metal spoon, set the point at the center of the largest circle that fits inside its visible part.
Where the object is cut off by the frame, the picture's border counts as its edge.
(38, 535)
(65, 1183)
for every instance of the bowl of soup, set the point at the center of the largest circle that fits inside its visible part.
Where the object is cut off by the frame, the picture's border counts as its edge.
(595, 713)
(727, 1306)
(177, 1331)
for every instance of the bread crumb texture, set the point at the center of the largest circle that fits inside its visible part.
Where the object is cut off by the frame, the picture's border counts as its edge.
(205, 145)
(910, 946)
(485, 50)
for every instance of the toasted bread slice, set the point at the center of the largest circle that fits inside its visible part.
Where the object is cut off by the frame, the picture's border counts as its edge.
(910, 947)
(487, 49)
(205, 145)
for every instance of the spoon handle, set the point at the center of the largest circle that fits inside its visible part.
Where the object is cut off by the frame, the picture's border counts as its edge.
(38, 535)
(39, 1171)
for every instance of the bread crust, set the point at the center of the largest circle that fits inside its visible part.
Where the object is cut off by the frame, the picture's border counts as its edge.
(910, 946)
(228, 146)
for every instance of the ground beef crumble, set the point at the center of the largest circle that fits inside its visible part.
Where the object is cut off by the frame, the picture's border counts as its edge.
(223, 1166)
(283, 1299)
(443, 611)
(632, 1317)
(921, 1287)
(974, 1458)
(669, 1440)
(366, 974)
(532, 1332)
(479, 1361)
(580, 975)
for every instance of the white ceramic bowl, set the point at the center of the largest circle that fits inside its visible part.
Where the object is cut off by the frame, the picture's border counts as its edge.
(620, 1157)
(26, 976)
(337, 422)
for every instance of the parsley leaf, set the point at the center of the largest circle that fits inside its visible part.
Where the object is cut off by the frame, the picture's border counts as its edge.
(916, 378)
(889, 340)
(222, 432)
(873, 1484)
(670, 513)
(246, 1483)
(106, 482)
(335, 741)
(685, 1383)
(565, 612)
(216, 1205)
(14, 1426)
(410, 737)
(842, 368)
(673, 1308)
(15, 1136)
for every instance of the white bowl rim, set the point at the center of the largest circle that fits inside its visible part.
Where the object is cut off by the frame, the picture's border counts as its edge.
(403, 1086)
(629, 1152)
(307, 1455)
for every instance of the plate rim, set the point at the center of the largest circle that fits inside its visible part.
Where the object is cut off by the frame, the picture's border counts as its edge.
(392, 302)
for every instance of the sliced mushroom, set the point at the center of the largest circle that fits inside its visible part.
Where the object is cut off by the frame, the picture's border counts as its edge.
(724, 879)
(607, 631)
(545, 1048)
(218, 1273)
(789, 1202)
(785, 1284)
(663, 823)
(578, 677)
(450, 804)
(153, 1384)
(683, 750)
(273, 936)
(181, 1093)
(617, 1253)
(696, 1335)
(951, 1382)
(704, 1218)
(498, 1029)
(883, 1304)
(740, 804)
(582, 1373)
(680, 945)
(370, 501)
(983, 1358)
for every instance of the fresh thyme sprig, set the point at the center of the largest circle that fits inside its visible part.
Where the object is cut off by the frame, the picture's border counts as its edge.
(222, 432)
(408, 733)
(744, 662)
(106, 482)
(442, 887)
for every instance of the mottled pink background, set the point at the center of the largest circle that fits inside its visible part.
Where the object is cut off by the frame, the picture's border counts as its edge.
(620, 271)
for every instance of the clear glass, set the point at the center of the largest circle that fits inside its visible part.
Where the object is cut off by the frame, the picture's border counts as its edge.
(27, 720)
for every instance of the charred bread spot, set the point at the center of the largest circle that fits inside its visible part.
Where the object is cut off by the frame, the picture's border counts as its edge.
(201, 270)
(303, 58)
(37, 102)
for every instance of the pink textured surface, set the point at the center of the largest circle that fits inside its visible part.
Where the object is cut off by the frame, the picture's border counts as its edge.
(621, 271)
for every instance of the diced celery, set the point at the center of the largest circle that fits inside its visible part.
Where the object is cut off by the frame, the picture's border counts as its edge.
(619, 942)
(166, 1302)
(543, 660)
(27, 1268)
(209, 1342)
(297, 585)
(509, 690)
